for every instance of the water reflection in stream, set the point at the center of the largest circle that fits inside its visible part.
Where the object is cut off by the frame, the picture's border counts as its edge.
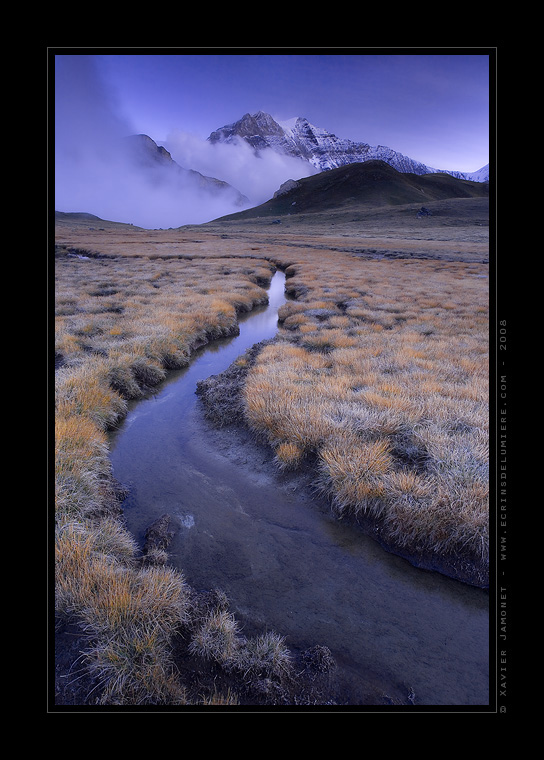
(281, 558)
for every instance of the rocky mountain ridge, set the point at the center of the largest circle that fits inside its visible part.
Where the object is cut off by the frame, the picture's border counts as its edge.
(322, 149)
(156, 161)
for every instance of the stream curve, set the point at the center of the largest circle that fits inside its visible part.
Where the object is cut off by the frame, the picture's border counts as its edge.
(283, 560)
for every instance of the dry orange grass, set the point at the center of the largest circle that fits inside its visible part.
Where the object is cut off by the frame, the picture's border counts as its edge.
(120, 324)
(382, 375)
(149, 308)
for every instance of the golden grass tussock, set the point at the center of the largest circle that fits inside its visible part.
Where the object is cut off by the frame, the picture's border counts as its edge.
(84, 390)
(355, 474)
(94, 563)
(130, 615)
(135, 669)
(289, 455)
(265, 655)
(218, 638)
(218, 698)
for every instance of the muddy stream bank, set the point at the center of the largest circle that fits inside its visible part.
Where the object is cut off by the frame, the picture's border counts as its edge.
(284, 562)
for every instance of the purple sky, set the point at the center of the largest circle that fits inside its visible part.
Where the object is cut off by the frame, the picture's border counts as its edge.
(432, 106)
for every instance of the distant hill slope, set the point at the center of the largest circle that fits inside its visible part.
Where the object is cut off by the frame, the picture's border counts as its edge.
(369, 184)
(89, 221)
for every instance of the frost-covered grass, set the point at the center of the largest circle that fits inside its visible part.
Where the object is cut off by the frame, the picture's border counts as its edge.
(382, 377)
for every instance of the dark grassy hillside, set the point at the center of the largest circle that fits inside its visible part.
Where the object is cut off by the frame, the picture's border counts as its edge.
(369, 184)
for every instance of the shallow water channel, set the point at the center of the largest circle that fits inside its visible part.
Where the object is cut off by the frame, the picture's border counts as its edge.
(284, 562)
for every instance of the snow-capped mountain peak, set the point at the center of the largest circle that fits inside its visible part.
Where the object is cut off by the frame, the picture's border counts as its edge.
(298, 138)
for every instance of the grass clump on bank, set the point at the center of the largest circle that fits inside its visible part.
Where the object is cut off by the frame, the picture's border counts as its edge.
(128, 614)
(381, 377)
(218, 638)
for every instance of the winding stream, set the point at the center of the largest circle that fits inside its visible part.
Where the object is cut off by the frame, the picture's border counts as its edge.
(283, 561)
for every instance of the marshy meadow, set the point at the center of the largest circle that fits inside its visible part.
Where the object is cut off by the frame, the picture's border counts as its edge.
(377, 382)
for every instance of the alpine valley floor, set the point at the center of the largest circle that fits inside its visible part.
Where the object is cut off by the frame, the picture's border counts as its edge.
(374, 397)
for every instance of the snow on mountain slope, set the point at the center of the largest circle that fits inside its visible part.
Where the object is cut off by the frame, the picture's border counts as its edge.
(322, 149)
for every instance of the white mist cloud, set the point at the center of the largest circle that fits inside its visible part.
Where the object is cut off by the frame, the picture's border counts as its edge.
(95, 174)
(256, 177)
(116, 191)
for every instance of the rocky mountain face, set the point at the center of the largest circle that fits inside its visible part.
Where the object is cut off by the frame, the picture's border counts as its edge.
(322, 149)
(159, 165)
